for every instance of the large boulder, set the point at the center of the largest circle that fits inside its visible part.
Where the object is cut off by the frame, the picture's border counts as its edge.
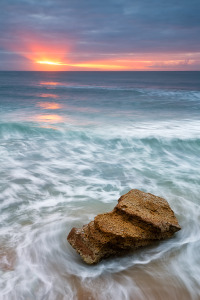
(139, 219)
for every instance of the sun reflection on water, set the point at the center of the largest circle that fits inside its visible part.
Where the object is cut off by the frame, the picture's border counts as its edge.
(50, 83)
(48, 118)
(49, 105)
(48, 95)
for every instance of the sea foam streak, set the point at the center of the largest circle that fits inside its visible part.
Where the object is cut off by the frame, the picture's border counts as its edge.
(60, 174)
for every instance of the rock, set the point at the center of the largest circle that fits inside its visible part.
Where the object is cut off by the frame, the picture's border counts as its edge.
(139, 219)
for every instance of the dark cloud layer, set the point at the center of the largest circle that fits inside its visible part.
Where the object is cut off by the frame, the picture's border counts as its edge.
(103, 28)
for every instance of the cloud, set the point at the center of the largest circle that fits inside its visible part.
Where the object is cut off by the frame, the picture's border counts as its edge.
(103, 28)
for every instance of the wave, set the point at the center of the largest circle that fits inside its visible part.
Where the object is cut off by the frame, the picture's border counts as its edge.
(119, 87)
(24, 130)
(180, 130)
(56, 270)
(57, 174)
(52, 180)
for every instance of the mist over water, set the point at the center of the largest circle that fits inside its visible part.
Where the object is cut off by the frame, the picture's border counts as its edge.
(71, 143)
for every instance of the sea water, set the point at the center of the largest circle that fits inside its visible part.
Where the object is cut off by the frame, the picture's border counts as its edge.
(71, 143)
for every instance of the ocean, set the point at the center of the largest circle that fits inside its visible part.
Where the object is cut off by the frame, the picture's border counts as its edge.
(71, 143)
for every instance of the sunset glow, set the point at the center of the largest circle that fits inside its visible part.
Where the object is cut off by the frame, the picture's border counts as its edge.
(63, 37)
(41, 54)
(116, 64)
(119, 63)
(49, 55)
(51, 63)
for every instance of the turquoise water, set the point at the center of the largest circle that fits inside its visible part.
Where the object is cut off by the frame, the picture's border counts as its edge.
(71, 143)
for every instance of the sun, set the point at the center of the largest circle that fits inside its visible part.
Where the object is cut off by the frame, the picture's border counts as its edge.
(48, 62)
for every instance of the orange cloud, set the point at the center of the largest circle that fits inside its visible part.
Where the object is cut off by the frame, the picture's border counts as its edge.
(155, 62)
(115, 64)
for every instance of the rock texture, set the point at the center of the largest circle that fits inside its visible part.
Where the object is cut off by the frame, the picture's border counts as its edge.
(139, 219)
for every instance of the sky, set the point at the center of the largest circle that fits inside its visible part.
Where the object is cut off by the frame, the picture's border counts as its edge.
(98, 35)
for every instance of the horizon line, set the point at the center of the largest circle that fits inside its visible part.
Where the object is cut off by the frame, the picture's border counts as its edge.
(101, 71)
